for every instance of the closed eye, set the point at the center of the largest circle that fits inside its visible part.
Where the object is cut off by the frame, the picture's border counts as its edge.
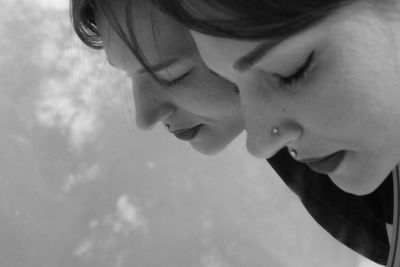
(176, 82)
(298, 74)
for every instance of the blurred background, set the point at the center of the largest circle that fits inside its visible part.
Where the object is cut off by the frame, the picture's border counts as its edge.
(81, 186)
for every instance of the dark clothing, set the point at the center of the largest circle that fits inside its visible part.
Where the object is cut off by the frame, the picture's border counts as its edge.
(356, 221)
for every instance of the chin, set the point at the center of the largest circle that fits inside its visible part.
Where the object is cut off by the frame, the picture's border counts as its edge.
(360, 184)
(352, 188)
(208, 149)
(361, 173)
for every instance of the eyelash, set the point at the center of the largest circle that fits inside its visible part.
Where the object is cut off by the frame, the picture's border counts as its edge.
(176, 82)
(299, 74)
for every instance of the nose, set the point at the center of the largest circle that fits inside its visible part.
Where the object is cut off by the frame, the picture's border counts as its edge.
(265, 144)
(152, 104)
(269, 122)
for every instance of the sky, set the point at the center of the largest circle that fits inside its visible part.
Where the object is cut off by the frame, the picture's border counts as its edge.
(52, 4)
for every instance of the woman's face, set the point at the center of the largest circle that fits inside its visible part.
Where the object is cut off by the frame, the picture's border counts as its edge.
(333, 91)
(198, 105)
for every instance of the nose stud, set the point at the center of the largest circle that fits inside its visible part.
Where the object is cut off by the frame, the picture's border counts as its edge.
(275, 132)
(293, 152)
(166, 126)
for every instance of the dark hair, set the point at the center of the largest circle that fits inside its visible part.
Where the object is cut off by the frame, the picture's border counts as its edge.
(82, 14)
(249, 19)
(83, 19)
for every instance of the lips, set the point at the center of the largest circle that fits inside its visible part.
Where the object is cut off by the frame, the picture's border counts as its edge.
(326, 164)
(187, 134)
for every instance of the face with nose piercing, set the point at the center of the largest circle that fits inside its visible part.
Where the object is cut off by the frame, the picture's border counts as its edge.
(329, 94)
(194, 104)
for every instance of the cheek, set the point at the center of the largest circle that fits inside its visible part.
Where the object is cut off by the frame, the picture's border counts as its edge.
(366, 75)
(370, 90)
(209, 95)
(327, 103)
(352, 105)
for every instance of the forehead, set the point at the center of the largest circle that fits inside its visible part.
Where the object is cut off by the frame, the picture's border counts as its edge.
(160, 37)
(220, 54)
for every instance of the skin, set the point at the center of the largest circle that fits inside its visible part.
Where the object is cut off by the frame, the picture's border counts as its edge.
(348, 99)
(202, 97)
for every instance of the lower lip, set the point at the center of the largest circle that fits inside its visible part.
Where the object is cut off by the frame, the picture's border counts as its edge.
(189, 134)
(329, 164)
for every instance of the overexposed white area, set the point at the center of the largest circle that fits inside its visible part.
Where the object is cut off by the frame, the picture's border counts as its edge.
(81, 186)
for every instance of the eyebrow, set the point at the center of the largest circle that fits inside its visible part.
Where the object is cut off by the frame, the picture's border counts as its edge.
(154, 68)
(248, 60)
